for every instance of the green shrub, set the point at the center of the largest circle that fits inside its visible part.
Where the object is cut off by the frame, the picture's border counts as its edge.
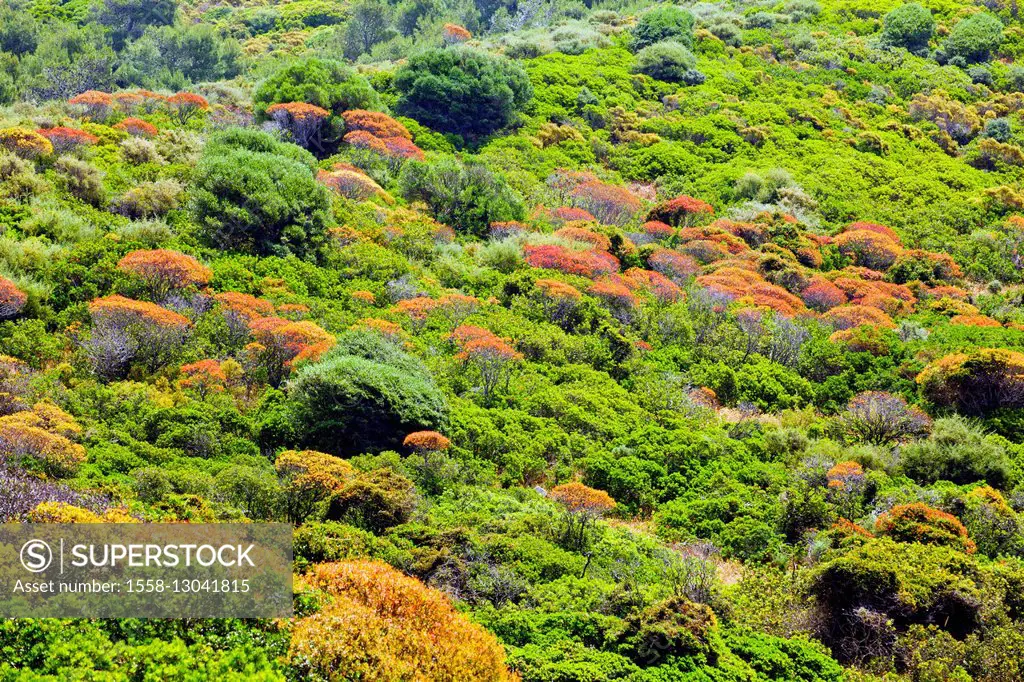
(327, 83)
(462, 90)
(349, 403)
(670, 61)
(910, 26)
(973, 38)
(664, 22)
(957, 451)
(259, 203)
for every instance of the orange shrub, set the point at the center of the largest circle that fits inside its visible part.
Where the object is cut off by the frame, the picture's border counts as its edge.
(917, 522)
(375, 123)
(93, 104)
(581, 234)
(205, 376)
(566, 214)
(185, 105)
(974, 321)
(308, 480)
(382, 626)
(351, 184)
(868, 248)
(164, 271)
(682, 210)
(304, 122)
(975, 382)
(610, 204)
(12, 299)
(454, 34)
(822, 295)
(67, 139)
(672, 264)
(581, 500)
(883, 230)
(117, 307)
(137, 127)
(360, 139)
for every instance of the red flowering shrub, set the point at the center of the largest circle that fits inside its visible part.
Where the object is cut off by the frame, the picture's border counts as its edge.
(281, 343)
(93, 104)
(304, 122)
(137, 127)
(846, 476)
(682, 210)
(917, 522)
(12, 299)
(165, 271)
(67, 139)
(185, 105)
(610, 204)
(375, 123)
(566, 214)
(585, 263)
(416, 309)
(657, 230)
(822, 295)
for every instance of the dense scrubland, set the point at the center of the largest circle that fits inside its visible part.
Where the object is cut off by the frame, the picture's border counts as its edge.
(579, 341)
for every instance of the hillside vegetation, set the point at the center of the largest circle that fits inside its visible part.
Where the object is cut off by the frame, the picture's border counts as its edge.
(579, 341)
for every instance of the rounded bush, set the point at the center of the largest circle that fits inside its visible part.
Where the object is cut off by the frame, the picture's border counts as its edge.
(462, 90)
(973, 38)
(910, 26)
(326, 83)
(665, 22)
(668, 61)
(259, 203)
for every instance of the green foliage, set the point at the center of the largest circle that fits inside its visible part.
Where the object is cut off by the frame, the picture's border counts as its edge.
(327, 83)
(366, 397)
(910, 26)
(668, 61)
(973, 38)
(259, 203)
(664, 22)
(462, 90)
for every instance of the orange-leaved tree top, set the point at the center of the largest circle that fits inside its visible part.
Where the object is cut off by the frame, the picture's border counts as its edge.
(164, 271)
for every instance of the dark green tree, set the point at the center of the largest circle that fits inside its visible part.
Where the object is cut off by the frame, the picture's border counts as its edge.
(259, 203)
(910, 26)
(462, 90)
(664, 22)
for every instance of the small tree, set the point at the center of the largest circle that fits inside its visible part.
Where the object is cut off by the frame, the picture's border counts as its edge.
(974, 37)
(488, 355)
(583, 507)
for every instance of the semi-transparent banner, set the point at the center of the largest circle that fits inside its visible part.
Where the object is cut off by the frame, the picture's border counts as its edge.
(144, 570)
